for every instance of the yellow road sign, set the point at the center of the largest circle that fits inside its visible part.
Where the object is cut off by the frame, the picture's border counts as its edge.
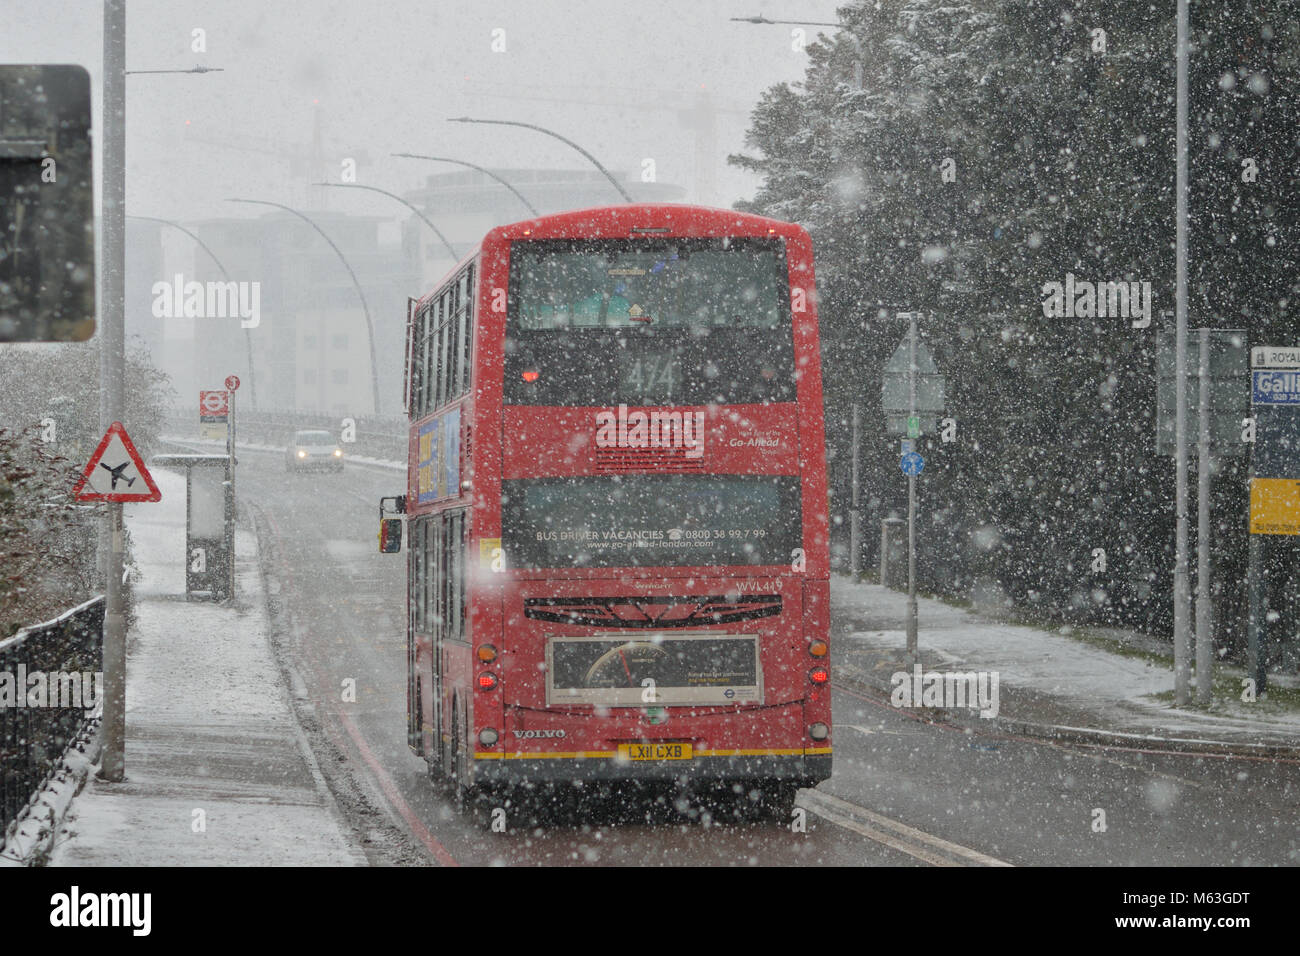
(1274, 506)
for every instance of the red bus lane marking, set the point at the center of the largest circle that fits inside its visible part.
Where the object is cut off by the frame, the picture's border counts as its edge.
(386, 783)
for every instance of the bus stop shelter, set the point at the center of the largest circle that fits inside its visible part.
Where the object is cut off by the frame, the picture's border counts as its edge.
(209, 524)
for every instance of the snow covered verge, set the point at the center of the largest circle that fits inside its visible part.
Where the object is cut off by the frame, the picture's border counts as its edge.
(1050, 682)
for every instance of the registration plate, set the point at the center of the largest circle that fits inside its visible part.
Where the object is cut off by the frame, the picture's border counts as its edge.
(655, 751)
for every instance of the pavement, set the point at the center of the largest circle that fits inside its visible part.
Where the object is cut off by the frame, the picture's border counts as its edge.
(1050, 684)
(218, 771)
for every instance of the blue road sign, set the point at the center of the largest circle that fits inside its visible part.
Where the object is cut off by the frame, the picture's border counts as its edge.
(1275, 386)
(912, 463)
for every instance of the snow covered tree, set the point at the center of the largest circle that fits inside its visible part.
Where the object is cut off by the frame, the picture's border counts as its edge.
(996, 146)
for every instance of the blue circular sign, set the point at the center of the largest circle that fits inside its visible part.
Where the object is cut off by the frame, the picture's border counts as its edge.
(912, 463)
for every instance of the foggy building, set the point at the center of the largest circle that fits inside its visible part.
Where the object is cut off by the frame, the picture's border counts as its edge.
(464, 204)
(144, 267)
(310, 342)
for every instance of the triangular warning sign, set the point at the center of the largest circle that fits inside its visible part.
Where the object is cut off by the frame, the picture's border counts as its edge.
(116, 472)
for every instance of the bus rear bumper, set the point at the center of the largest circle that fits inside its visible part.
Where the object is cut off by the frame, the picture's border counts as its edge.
(804, 770)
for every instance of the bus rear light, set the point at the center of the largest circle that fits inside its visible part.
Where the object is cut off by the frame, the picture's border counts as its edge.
(819, 731)
(819, 675)
(487, 680)
(488, 736)
(487, 653)
(819, 648)
(531, 375)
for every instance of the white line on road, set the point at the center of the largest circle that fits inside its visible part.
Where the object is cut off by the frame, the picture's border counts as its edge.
(856, 818)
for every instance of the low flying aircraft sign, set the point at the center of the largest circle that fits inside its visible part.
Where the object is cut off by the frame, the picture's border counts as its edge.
(116, 472)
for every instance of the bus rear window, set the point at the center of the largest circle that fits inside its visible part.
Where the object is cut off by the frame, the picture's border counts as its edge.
(690, 283)
(650, 520)
(686, 321)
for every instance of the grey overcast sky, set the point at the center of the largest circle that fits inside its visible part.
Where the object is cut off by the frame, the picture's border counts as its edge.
(611, 74)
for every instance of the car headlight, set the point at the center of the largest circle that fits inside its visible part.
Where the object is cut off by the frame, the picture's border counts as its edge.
(302, 453)
(338, 452)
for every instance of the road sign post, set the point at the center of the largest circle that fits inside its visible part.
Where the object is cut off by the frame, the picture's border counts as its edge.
(855, 516)
(1274, 485)
(111, 476)
(232, 383)
(912, 395)
(1216, 405)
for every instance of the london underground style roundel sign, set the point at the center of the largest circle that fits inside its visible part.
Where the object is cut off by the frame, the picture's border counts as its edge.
(116, 472)
(214, 406)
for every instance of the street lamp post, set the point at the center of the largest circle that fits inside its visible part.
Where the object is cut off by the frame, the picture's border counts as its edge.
(1182, 593)
(542, 129)
(370, 328)
(112, 369)
(423, 218)
(485, 172)
(857, 44)
(248, 334)
(112, 373)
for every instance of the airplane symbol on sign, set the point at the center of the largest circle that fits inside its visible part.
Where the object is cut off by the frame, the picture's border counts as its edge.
(117, 473)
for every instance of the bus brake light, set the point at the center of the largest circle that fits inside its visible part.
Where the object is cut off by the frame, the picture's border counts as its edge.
(531, 375)
(487, 680)
(819, 675)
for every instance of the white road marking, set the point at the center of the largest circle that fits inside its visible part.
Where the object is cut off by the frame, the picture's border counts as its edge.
(869, 731)
(904, 838)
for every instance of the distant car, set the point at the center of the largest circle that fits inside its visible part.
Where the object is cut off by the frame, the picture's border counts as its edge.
(313, 449)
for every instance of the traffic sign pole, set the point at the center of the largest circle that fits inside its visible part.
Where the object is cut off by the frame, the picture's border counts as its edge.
(111, 475)
(911, 499)
(855, 516)
(1275, 475)
(1204, 602)
(113, 726)
(232, 383)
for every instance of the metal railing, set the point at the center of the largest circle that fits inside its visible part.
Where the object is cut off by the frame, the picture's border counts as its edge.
(42, 668)
(375, 436)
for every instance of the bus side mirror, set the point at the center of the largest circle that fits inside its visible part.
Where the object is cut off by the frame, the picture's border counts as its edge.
(390, 535)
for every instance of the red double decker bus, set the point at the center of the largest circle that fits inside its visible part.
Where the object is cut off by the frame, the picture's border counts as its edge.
(617, 507)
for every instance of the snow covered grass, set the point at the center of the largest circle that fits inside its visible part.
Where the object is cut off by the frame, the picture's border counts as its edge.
(1225, 697)
(1115, 676)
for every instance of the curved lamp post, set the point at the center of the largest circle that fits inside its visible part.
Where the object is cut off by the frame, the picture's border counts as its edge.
(485, 172)
(423, 218)
(370, 326)
(542, 129)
